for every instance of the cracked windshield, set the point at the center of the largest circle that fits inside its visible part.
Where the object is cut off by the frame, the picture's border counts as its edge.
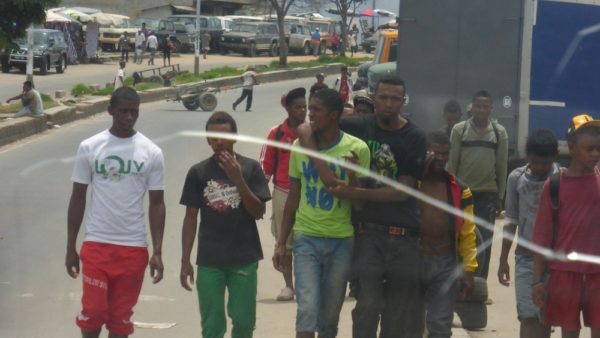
(300, 168)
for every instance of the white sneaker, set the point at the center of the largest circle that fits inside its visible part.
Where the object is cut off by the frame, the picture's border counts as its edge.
(285, 295)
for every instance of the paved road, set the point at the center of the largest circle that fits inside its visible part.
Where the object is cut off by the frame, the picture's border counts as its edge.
(38, 299)
(10, 83)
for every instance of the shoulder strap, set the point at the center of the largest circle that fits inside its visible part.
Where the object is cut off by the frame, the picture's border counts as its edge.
(278, 136)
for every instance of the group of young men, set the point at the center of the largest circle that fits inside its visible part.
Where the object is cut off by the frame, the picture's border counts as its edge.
(336, 219)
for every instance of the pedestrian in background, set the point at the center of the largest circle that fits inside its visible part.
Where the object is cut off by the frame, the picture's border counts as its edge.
(315, 41)
(152, 42)
(320, 84)
(120, 78)
(523, 192)
(140, 40)
(31, 100)
(120, 164)
(248, 82)
(343, 84)
(275, 164)
(452, 115)
(124, 46)
(166, 46)
(567, 222)
(205, 44)
(479, 157)
(229, 191)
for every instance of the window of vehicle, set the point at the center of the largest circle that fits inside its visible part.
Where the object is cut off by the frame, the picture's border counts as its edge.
(272, 29)
(242, 27)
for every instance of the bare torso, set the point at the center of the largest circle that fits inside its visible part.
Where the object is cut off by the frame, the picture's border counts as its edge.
(436, 235)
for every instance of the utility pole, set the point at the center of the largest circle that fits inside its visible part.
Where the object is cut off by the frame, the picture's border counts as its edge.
(197, 42)
(373, 17)
(30, 53)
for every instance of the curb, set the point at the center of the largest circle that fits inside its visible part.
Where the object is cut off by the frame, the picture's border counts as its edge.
(19, 128)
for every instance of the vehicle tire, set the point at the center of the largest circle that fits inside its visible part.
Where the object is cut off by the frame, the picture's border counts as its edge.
(481, 254)
(208, 101)
(156, 79)
(479, 294)
(223, 51)
(44, 67)
(473, 316)
(252, 50)
(192, 103)
(306, 50)
(62, 65)
(5, 67)
(178, 48)
(368, 49)
(273, 50)
(23, 69)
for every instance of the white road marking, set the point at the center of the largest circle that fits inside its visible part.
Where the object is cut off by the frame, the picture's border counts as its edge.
(142, 325)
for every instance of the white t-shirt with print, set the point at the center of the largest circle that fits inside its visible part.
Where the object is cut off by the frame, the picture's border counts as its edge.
(248, 78)
(119, 171)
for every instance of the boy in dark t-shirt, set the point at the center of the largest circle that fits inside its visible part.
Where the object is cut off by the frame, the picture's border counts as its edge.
(230, 192)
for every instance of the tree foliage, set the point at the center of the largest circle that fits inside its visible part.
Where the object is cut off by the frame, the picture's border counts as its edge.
(17, 15)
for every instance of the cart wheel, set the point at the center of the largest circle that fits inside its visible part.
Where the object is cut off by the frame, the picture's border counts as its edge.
(191, 104)
(208, 101)
(156, 79)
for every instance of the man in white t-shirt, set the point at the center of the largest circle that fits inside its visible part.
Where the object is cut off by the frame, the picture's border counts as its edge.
(140, 43)
(120, 78)
(120, 164)
(248, 82)
(152, 43)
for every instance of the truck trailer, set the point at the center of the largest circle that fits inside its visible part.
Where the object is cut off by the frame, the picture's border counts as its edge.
(538, 59)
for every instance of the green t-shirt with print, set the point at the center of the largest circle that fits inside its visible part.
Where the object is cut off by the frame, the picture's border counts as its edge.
(319, 213)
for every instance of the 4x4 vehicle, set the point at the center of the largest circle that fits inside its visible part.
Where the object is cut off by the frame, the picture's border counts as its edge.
(298, 38)
(182, 35)
(385, 51)
(49, 50)
(250, 38)
(108, 36)
(326, 28)
(211, 24)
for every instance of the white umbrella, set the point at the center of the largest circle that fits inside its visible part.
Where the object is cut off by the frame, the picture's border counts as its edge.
(384, 12)
(77, 15)
(108, 19)
(55, 17)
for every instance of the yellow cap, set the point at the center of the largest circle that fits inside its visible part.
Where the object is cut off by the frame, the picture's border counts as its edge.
(582, 121)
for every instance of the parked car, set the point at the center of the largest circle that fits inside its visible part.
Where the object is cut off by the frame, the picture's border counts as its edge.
(326, 28)
(211, 24)
(182, 35)
(250, 38)
(299, 38)
(49, 50)
(225, 23)
(108, 36)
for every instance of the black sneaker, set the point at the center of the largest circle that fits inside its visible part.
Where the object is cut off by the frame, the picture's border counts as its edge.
(248, 110)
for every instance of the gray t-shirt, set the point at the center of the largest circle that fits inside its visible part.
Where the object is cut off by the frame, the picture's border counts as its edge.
(522, 199)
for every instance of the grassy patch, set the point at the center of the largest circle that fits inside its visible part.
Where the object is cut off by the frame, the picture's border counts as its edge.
(148, 85)
(13, 108)
(322, 60)
(81, 89)
(207, 75)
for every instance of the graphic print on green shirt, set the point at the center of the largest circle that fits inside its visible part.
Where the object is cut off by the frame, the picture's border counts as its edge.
(319, 213)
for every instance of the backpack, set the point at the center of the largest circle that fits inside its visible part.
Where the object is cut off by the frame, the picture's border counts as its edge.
(278, 137)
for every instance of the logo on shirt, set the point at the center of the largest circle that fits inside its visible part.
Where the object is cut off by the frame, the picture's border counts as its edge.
(316, 194)
(383, 162)
(221, 196)
(115, 168)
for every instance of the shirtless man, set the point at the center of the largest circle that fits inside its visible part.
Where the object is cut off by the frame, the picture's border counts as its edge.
(442, 251)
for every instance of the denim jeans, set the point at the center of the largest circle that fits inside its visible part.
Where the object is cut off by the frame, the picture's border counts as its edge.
(387, 269)
(526, 309)
(440, 278)
(484, 206)
(321, 271)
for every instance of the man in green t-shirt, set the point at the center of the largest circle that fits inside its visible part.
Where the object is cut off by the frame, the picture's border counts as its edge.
(322, 226)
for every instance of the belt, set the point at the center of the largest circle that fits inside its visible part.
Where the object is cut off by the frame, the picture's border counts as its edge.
(391, 229)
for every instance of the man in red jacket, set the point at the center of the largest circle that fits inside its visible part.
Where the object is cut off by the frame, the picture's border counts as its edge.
(275, 164)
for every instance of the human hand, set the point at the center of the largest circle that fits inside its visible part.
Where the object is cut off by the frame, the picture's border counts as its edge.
(341, 190)
(504, 273)
(186, 275)
(499, 207)
(156, 268)
(538, 294)
(279, 259)
(72, 263)
(467, 283)
(231, 166)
